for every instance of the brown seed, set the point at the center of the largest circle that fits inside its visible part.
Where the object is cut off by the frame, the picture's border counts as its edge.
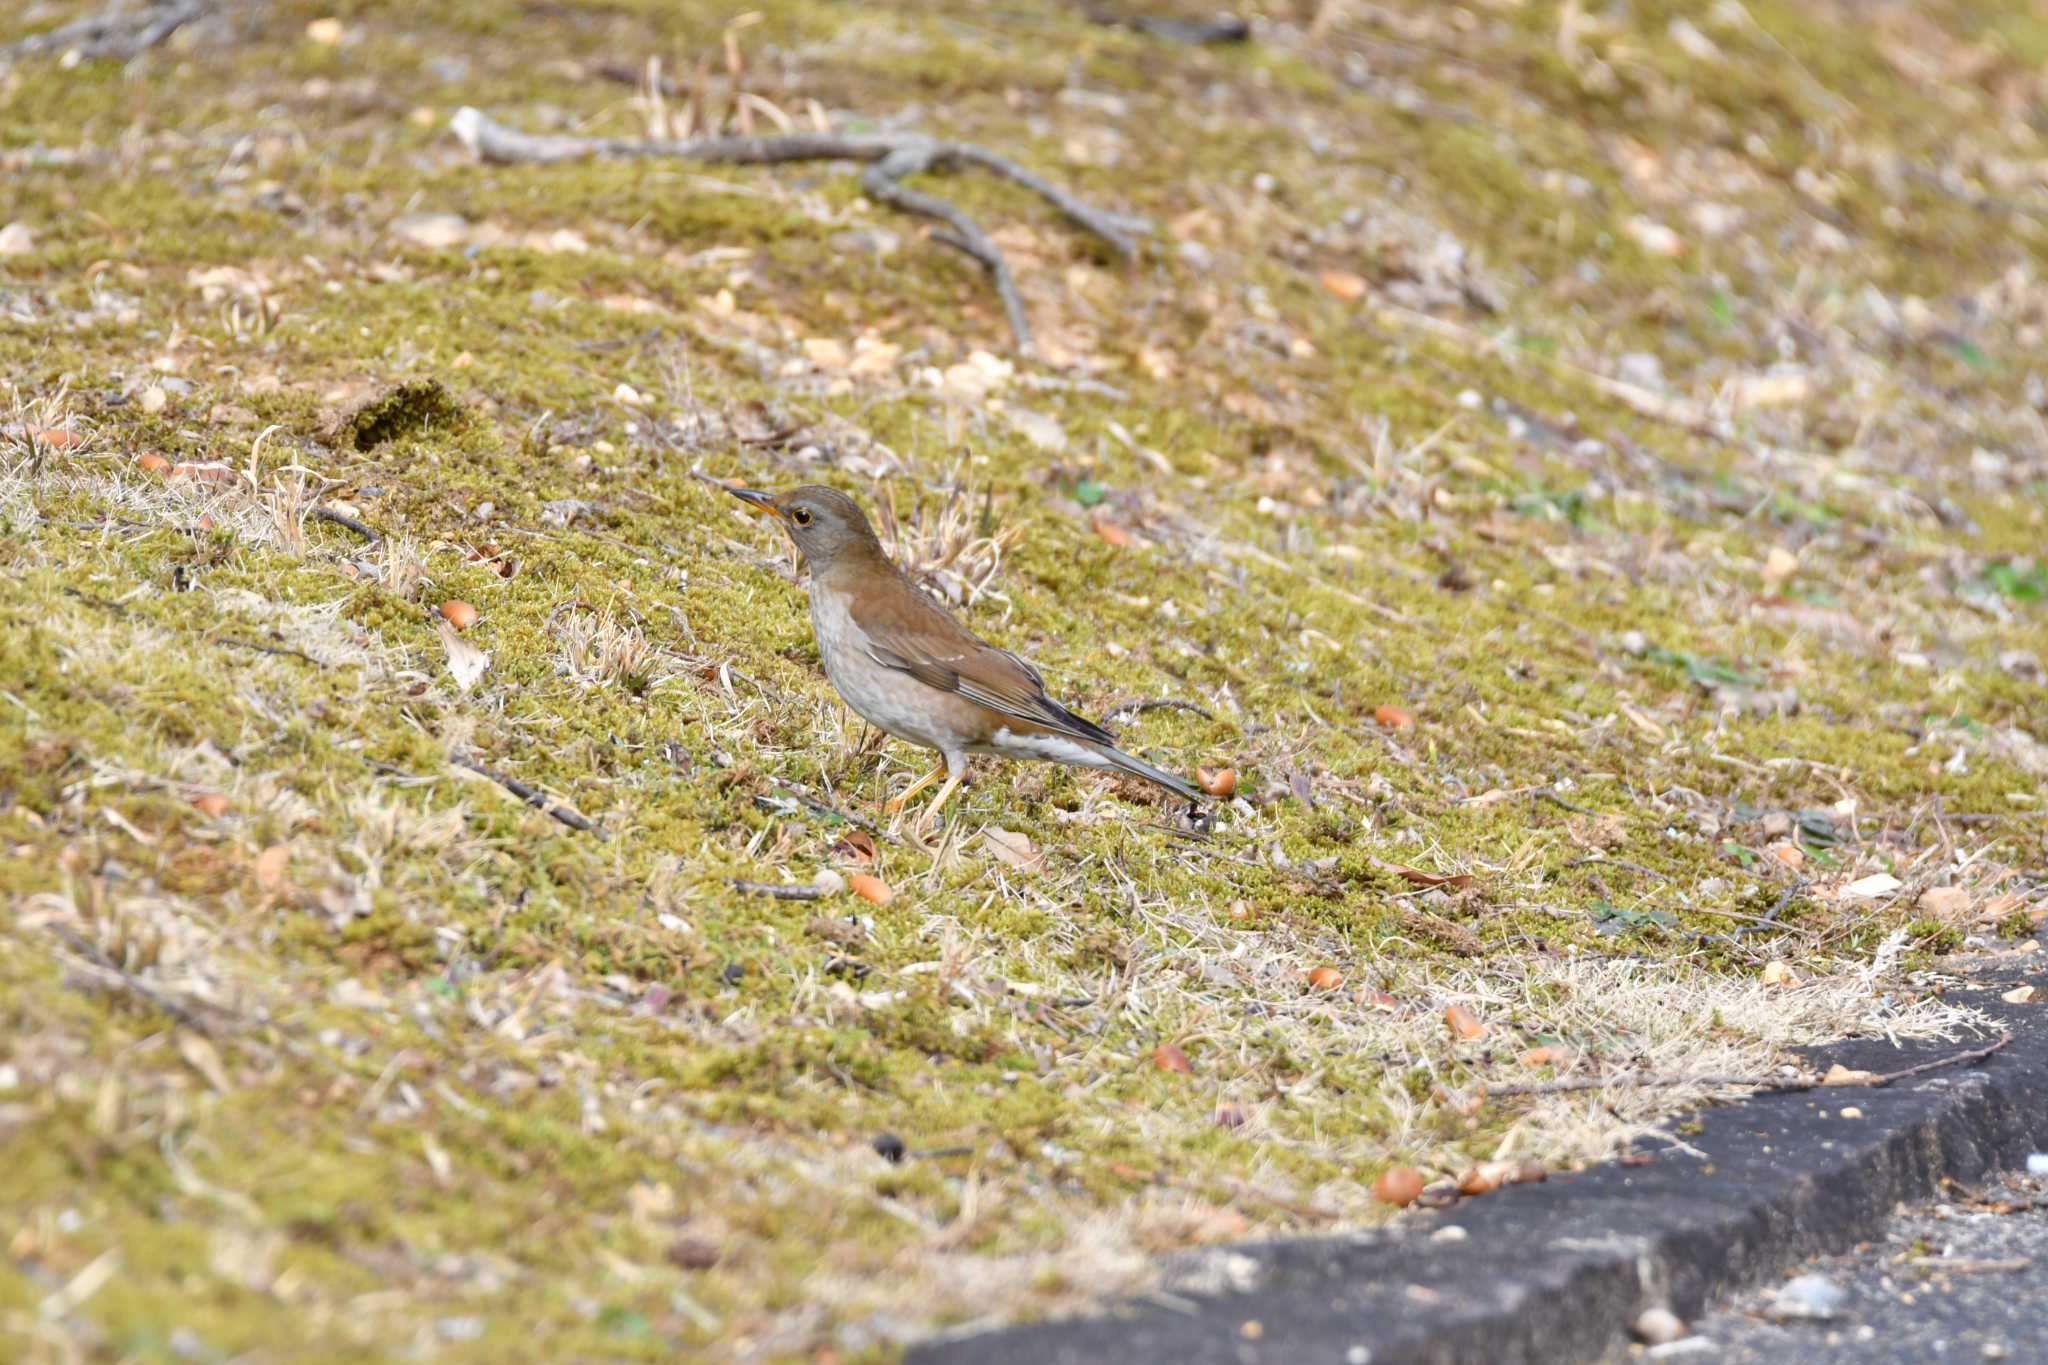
(1478, 1180)
(212, 805)
(1326, 979)
(153, 464)
(458, 614)
(870, 888)
(1344, 285)
(1464, 1023)
(1167, 1057)
(693, 1253)
(1217, 781)
(1398, 1185)
(1115, 534)
(1393, 717)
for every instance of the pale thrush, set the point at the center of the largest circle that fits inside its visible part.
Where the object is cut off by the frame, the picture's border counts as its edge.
(904, 664)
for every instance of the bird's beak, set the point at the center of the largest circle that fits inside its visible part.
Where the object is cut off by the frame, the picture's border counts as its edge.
(756, 499)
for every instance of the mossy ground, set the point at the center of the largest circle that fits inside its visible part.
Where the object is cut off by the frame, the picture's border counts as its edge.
(1648, 405)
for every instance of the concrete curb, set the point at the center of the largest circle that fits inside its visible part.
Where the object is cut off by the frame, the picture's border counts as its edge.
(1556, 1272)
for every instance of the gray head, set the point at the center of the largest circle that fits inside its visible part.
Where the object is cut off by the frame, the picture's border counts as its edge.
(824, 522)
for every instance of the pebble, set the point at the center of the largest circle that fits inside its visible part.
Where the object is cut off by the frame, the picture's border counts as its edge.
(1815, 1298)
(1686, 1348)
(1659, 1326)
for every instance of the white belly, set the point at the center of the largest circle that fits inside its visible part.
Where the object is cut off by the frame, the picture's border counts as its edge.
(889, 700)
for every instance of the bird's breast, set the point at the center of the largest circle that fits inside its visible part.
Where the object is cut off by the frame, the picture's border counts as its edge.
(885, 697)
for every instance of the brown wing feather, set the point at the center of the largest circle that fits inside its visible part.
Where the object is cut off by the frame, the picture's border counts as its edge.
(913, 633)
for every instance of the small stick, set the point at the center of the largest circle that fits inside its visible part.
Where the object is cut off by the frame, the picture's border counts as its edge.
(97, 959)
(529, 795)
(820, 805)
(115, 34)
(1136, 708)
(781, 891)
(1966, 1267)
(1616, 862)
(1765, 1083)
(361, 528)
(1770, 918)
(1548, 794)
(261, 648)
(889, 158)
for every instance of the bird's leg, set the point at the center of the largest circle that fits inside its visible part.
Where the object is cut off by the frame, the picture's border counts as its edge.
(931, 812)
(895, 804)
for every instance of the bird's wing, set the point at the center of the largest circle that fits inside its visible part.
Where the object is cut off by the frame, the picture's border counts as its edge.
(917, 636)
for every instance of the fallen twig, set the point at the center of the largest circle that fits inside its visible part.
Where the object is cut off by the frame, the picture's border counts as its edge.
(818, 804)
(1224, 28)
(1138, 708)
(529, 795)
(781, 891)
(1550, 795)
(1961, 1266)
(98, 961)
(361, 528)
(1810, 1081)
(1616, 862)
(891, 158)
(1770, 918)
(285, 651)
(118, 34)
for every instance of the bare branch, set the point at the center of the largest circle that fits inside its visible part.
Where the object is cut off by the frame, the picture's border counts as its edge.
(890, 158)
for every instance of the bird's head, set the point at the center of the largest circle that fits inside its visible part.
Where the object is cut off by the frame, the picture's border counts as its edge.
(823, 522)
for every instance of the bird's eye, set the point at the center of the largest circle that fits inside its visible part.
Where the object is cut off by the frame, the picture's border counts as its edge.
(801, 516)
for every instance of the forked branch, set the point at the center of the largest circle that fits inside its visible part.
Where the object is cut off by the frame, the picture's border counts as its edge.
(890, 158)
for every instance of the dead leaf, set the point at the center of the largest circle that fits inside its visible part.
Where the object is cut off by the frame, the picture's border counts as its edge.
(1602, 832)
(1344, 285)
(1873, 886)
(1421, 878)
(466, 662)
(2018, 995)
(1946, 903)
(856, 844)
(202, 1057)
(272, 866)
(1778, 974)
(1014, 848)
(1115, 534)
(1779, 566)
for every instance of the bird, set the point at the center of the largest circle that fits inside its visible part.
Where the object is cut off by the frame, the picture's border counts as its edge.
(908, 667)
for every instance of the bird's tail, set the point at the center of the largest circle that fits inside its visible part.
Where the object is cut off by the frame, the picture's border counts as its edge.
(1138, 767)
